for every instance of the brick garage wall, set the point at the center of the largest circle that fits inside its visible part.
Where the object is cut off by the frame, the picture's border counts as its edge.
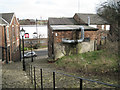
(93, 35)
(62, 34)
(72, 35)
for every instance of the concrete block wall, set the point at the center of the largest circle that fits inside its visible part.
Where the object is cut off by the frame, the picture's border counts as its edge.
(62, 49)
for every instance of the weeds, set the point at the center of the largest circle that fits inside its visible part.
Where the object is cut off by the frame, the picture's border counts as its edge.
(96, 61)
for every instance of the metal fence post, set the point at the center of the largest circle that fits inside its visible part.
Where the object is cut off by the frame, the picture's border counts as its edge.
(41, 79)
(34, 79)
(81, 84)
(31, 75)
(53, 80)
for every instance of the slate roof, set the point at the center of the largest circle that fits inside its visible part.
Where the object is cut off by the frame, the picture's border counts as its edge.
(62, 21)
(7, 17)
(66, 24)
(94, 19)
(2, 22)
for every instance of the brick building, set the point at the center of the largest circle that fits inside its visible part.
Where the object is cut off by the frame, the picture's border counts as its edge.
(10, 43)
(68, 29)
(96, 21)
(92, 20)
(27, 22)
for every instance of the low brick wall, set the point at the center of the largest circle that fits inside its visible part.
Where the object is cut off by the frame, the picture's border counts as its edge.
(42, 41)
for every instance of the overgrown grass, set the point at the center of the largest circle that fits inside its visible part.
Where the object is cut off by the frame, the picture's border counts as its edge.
(43, 46)
(96, 65)
(96, 61)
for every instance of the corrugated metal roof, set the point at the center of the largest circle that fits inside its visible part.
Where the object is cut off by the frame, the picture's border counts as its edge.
(62, 21)
(71, 27)
(7, 17)
(94, 18)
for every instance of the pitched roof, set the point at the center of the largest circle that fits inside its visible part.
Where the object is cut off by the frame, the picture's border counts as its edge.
(94, 18)
(62, 21)
(2, 21)
(7, 17)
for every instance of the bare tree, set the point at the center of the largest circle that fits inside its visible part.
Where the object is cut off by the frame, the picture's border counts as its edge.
(111, 12)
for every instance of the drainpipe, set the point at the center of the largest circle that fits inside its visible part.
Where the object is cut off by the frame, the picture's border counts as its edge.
(5, 43)
(88, 20)
(76, 41)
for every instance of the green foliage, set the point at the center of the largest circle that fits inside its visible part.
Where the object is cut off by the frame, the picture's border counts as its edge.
(96, 61)
(43, 46)
(36, 46)
(25, 49)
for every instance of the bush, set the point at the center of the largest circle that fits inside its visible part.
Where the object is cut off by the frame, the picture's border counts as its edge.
(36, 46)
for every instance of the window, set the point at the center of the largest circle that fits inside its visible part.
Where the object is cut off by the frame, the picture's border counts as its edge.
(7, 33)
(87, 39)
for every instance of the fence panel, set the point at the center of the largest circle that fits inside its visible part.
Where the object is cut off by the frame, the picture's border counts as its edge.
(43, 78)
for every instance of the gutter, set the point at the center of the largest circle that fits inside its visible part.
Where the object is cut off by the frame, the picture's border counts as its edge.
(75, 41)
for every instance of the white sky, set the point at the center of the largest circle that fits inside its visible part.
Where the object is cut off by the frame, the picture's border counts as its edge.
(48, 8)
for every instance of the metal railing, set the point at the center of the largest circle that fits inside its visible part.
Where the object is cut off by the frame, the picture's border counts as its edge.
(32, 74)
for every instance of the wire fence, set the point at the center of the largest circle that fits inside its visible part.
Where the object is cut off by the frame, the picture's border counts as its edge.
(44, 78)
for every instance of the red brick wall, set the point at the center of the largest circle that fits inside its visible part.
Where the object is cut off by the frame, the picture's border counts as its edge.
(91, 34)
(71, 35)
(1, 36)
(101, 33)
(14, 40)
(62, 34)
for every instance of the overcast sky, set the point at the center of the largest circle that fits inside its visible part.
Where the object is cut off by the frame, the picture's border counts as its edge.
(48, 8)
